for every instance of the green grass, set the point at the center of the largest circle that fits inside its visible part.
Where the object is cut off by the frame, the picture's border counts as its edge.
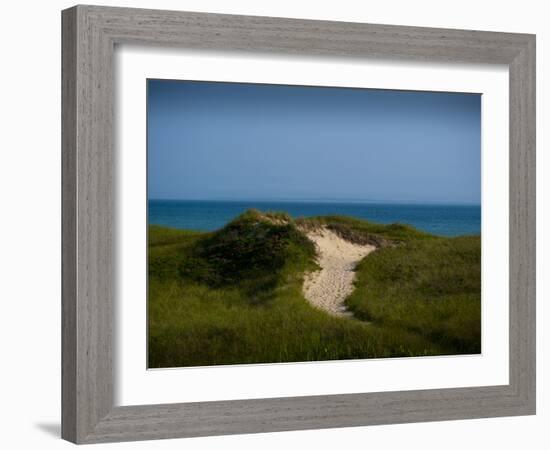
(234, 296)
(362, 231)
(428, 287)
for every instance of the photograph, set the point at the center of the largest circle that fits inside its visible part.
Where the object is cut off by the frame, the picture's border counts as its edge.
(290, 223)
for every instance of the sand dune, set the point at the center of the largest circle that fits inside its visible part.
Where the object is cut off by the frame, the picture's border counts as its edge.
(328, 288)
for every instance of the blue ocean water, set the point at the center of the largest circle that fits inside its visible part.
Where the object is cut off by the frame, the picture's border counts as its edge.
(443, 220)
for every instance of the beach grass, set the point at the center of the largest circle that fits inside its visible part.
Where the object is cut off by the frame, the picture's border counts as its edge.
(428, 287)
(234, 296)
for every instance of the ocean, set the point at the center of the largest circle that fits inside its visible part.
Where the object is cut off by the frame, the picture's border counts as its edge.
(442, 220)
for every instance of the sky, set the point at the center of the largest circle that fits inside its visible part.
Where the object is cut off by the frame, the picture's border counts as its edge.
(236, 141)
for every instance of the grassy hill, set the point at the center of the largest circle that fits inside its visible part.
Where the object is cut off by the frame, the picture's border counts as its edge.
(234, 296)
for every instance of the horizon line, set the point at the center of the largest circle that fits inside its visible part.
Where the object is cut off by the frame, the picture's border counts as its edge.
(322, 200)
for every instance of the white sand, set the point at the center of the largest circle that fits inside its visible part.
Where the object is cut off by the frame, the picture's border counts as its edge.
(328, 288)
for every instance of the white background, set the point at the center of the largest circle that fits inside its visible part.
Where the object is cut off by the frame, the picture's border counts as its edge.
(30, 225)
(134, 385)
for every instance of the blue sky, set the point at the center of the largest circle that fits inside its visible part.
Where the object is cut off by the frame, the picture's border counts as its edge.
(272, 142)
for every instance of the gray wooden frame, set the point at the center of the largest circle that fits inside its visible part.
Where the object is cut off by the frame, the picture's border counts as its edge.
(89, 36)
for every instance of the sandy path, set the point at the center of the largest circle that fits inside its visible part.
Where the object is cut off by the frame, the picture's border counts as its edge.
(328, 288)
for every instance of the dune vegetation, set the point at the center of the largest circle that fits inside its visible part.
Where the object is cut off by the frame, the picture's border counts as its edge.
(234, 296)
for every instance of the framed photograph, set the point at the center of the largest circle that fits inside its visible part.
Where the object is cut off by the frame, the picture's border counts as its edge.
(267, 222)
